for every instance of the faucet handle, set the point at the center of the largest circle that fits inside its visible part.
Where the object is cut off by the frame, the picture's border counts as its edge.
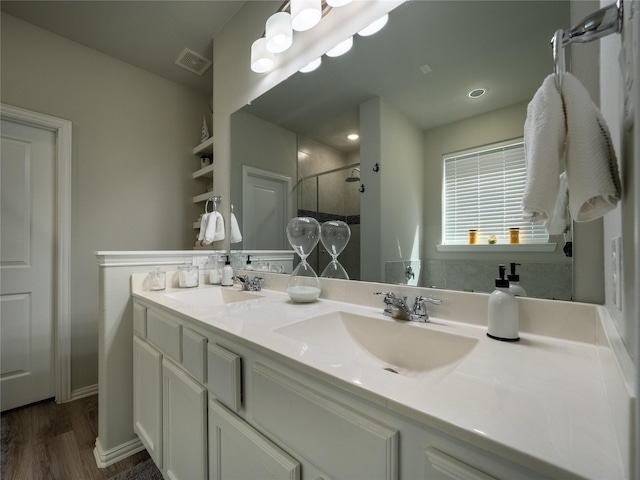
(388, 296)
(421, 299)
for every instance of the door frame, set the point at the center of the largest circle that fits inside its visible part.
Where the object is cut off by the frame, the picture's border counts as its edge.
(62, 287)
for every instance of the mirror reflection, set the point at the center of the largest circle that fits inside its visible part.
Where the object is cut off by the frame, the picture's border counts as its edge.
(405, 92)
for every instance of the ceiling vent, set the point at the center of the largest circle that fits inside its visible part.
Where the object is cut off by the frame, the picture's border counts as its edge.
(193, 62)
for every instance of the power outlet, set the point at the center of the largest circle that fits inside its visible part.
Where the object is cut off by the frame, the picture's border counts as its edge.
(616, 271)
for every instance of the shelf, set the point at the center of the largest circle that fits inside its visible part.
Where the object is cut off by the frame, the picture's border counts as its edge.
(203, 171)
(204, 147)
(203, 197)
(504, 247)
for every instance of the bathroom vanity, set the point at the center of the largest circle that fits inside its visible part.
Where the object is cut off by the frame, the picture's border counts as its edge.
(234, 384)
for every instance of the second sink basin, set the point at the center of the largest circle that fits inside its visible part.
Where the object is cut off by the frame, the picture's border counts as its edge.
(210, 297)
(400, 347)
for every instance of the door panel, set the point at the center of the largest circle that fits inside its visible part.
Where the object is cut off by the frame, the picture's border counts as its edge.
(27, 226)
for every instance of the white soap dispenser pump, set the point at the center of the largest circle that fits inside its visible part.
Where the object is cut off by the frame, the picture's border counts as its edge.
(504, 321)
(227, 273)
(248, 265)
(514, 282)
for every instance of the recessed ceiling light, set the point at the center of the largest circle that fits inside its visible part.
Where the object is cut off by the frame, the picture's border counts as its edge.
(353, 136)
(478, 92)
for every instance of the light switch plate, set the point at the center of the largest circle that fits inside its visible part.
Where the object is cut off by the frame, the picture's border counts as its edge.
(616, 271)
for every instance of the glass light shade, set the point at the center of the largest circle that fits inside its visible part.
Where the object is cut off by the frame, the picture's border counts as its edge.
(278, 32)
(305, 14)
(262, 60)
(338, 3)
(374, 27)
(311, 66)
(342, 48)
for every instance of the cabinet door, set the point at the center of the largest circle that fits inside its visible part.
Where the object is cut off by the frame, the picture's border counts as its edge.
(147, 397)
(184, 425)
(239, 452)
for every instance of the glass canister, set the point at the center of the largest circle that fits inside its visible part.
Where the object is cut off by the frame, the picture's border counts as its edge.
(473, 237)
(514, 235)
(157, 280)
(188, 276)
(214, 269)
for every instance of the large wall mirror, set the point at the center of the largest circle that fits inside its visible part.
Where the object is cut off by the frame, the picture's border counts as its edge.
(405, 91)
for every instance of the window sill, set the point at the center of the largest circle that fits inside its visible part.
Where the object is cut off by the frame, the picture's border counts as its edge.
(499, 247)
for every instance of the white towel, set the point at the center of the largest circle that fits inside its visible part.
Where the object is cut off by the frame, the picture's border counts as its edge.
(215, 229)
(236, 236)
(219, 231)
(204, 220)
(544, 136)
(592, 167)
(559, 218)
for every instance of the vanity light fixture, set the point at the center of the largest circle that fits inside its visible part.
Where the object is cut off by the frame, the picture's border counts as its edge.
(476, 93)
(375, 26)
(278, 32)
(353, 136)
(342, 48)
(305, 14)
(311, 66)
(338, 3)
(262, 60)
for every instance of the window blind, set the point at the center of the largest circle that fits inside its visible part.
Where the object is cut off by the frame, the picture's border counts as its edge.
(483, 190)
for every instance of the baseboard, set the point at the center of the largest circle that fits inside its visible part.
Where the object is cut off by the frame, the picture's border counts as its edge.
(104, 459)
(84, 392)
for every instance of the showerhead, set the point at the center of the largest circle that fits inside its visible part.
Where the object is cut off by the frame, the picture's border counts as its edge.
(352, 178)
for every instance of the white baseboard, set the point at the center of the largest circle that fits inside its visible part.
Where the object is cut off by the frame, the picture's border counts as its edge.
(106, 458)
(84, 392)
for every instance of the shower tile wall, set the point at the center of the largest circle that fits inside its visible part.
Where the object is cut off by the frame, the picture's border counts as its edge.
(328, 197)
(540, 280)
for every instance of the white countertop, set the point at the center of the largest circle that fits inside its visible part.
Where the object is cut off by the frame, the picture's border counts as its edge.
(540, 402)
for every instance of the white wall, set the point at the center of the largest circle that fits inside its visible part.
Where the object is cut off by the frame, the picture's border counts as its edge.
(132, 137)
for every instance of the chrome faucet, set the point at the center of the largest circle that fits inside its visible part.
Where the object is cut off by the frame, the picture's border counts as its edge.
(254, 285)
(397, 307)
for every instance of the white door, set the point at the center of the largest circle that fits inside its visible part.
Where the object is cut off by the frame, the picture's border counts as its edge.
(27, 257)
(265, 209)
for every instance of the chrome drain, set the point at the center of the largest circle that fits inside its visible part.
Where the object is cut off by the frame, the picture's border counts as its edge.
(389, 369)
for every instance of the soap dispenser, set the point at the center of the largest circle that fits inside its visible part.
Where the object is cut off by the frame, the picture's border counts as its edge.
(514, 282)
(248, 265)
(503, 311)
(227, 273)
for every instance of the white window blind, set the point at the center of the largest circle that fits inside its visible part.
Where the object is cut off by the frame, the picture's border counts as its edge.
(483, 190)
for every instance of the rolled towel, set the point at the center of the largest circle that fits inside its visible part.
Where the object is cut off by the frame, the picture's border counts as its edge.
(544, 136)
(592, 167)
(236, 236)
(559, 218)
(204, 220)
(219, 228)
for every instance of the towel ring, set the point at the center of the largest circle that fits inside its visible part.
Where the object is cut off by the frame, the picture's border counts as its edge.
(558, 56)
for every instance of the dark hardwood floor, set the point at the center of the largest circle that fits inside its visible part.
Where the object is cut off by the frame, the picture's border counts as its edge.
(49, 441)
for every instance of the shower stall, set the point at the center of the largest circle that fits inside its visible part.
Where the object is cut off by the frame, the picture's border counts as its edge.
(333, 195)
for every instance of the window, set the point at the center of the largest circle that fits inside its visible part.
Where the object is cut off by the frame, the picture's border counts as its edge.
(483, 190)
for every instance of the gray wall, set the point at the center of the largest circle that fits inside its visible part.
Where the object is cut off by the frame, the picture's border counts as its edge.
(131, 166)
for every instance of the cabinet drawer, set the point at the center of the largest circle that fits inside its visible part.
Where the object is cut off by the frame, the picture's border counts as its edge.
(224, 376)
(194, 354)
(441, 466)
(165, 334)
(140, 320)
(337, 439)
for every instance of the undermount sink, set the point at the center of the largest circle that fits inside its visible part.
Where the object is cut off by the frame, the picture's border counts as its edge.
(405, 348)
(211, 297)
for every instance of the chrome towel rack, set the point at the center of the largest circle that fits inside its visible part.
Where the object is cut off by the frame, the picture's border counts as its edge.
(599, 24)
(216, 201)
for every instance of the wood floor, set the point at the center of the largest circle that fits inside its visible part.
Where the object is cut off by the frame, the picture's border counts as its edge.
(49, 441)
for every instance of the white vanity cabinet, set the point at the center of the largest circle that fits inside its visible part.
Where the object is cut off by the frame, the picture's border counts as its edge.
(208, 404)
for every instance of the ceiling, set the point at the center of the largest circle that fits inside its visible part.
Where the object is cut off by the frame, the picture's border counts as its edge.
(148, 34)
